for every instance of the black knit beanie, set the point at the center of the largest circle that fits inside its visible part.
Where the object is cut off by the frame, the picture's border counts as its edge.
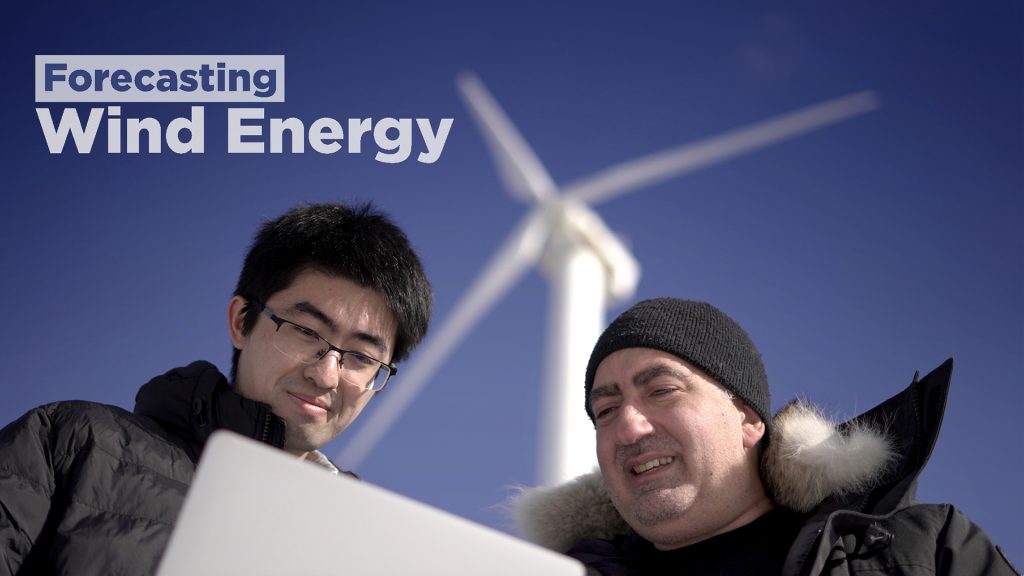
(698, 333)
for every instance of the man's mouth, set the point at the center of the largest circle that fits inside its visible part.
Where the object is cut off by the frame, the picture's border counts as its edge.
(310, 406)
(652, 464)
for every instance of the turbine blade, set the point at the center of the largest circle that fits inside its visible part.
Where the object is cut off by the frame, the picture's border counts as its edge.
(518, 166)
(520, 250)
(628, 176)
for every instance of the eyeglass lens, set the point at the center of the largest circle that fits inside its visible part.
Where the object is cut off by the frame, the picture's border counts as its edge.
(308, 347)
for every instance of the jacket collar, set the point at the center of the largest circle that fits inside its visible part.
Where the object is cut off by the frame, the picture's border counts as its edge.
(191, 402)
(869, 463)
(911, 420)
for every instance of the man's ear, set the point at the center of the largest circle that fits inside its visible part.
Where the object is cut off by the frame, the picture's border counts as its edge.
(753, 426)
(236, 321)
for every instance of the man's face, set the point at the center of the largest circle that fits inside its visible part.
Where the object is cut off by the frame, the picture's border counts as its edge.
(677, 453)
(313, 400)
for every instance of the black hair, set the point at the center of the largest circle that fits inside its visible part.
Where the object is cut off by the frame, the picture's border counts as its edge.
(360, 244)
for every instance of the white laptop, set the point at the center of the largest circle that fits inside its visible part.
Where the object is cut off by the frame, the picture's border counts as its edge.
(255, 510)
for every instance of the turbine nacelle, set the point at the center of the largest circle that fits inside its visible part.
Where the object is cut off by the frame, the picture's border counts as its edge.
(573, 221)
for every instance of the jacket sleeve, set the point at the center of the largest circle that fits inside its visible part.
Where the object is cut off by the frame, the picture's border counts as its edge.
(26, 486)
(964, 548)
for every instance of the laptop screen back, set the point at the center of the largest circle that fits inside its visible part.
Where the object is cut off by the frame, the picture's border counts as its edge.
(255, 510)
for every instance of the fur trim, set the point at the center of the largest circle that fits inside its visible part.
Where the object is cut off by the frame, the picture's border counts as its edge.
(810, 459)
(559, 516)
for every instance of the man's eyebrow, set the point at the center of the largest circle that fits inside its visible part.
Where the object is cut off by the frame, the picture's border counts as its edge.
(606, 391)
(640, 379)
(317, 313)
(372, 339)
(646, 375)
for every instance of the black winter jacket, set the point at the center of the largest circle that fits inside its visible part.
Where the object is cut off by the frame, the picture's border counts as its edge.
(863, 520)
(88, 488)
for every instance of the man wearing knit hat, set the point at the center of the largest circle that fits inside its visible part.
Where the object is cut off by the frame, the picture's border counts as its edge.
(696, 477)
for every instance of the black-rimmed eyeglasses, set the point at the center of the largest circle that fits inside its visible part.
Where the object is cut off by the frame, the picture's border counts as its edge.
(305, 345)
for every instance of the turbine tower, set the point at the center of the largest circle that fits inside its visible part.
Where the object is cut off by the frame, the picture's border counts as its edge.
(588, 267)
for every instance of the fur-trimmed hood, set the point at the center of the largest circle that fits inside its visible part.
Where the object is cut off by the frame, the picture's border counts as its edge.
(873, 459)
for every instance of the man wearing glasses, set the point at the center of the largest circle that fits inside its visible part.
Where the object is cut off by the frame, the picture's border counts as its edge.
(330, 298)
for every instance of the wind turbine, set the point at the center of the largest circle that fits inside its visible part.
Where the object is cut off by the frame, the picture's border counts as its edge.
(589, 268)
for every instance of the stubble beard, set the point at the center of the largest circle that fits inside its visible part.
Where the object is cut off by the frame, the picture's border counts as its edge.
(660, 501)
(657, 500)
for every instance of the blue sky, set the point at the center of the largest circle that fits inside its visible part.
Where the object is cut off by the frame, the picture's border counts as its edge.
(854, 255)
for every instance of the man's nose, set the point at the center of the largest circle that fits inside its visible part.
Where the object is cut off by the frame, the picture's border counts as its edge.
(325, 372)
(632, 425)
